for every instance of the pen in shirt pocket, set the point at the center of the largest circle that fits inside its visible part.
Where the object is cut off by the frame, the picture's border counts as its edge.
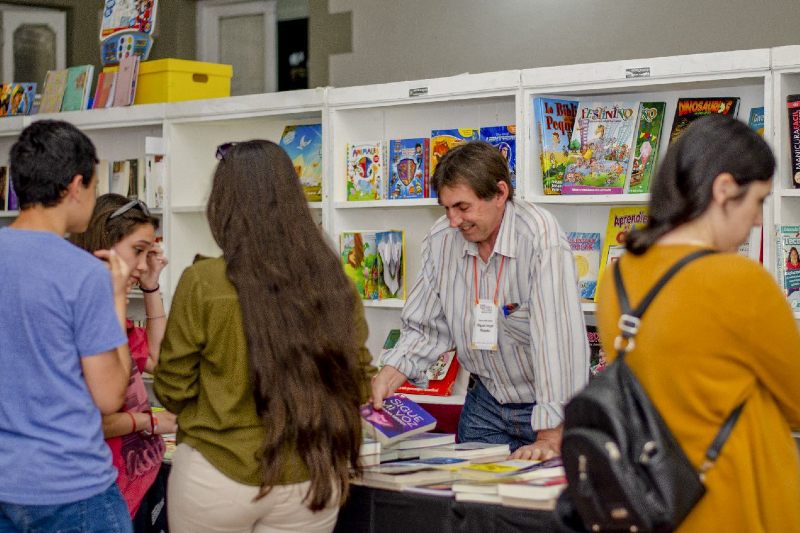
(509, 308)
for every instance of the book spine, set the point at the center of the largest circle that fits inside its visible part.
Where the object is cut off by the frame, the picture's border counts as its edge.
(793, 106)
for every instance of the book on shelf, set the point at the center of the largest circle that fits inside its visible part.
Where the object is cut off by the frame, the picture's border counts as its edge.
(600, 148)
(20, 101)
(752, 247)
(788, 267)
(441, 374)
(597, 357)
(690, 109)
(476, 452)
(78, 88)
(375, 262)
(408, 161)
(103, 171)
(365, 171)
(620, 221)
(442, 141)
(125, 84)
(555, 119)
(504, 138)
(303, 144)
(124, 177)
(793, 106)
(155, 168)
(55, 82)
(399, 419)
(3, 188)
(586, 251)
(756, 119)
(104, 93)
(648, 141)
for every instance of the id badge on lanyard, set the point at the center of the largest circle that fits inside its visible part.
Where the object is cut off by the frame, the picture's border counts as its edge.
(484, 315)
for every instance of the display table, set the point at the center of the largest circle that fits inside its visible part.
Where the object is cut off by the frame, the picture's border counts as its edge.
(381, 511)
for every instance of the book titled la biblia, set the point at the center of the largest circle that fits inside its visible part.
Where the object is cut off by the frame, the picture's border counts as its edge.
(399, 419)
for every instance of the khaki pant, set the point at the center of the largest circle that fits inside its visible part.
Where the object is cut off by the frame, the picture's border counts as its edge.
(200, 498)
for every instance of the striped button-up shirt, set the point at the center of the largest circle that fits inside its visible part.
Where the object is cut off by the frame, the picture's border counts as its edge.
(543, 354)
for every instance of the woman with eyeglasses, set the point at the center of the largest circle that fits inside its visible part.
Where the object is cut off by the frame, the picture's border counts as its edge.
(263, 361)
(134, 434)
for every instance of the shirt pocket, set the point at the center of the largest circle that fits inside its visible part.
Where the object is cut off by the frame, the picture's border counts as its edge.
(516, 326)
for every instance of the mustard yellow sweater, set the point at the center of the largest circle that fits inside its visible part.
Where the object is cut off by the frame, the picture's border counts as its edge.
(720, 332)
(203, 376)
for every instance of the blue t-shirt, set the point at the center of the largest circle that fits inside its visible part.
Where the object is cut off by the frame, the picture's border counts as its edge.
(56, 306)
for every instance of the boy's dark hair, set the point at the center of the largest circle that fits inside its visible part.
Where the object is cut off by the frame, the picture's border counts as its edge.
(476, 164)
(45, 159)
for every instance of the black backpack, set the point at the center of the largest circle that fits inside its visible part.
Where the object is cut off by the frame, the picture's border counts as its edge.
(626, 471)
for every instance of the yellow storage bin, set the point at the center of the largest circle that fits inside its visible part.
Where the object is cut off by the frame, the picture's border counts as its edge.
(174, 80)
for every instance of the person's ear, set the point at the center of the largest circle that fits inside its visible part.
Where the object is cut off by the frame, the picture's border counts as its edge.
(724, 188)
(74, 187)
(502, 196)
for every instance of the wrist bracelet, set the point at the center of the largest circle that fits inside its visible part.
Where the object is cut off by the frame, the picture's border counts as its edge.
(153, 423)
(148, 317)
(133, 421)
(150, 291)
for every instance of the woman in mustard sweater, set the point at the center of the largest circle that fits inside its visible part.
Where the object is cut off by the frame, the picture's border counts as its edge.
(720, 332)
(263, 361)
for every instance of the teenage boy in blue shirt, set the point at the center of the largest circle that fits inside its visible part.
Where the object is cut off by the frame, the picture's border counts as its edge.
(63, 352)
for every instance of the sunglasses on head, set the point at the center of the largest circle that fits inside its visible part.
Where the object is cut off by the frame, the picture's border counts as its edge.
(130, 205)
(223, 149)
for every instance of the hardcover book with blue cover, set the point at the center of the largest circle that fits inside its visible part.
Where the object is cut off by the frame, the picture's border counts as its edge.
(408, 168)
(504, 138)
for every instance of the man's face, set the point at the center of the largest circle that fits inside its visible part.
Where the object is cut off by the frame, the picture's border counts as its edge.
(477, 219)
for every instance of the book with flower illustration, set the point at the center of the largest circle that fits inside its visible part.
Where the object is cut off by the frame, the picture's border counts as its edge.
(555, 119)
(621, 220)
(442, 141)
(648, 140)
(303, 144)
(399, 419)
(586, 251)
(690, 109)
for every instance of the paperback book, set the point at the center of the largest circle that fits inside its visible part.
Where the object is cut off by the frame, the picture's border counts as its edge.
(648, 140)
(442, 141)
(399, 419)
(793, 106)
(690, 109)
(555, 119)
(597, 357)
(600, 148)
(788, 255)
(409, 160)
(621, 220)
(78, 88)
(124, 177)
(756, 119)
(375, 261)
(365, 171)
(3, 189)
(103, 94)
(441, 374)
(303, 144)
(21, 98)
(586, 251)
(504, 139)
(55, 82)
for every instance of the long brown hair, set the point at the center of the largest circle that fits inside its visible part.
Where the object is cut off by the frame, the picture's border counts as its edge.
(297, 308)
(102, 233)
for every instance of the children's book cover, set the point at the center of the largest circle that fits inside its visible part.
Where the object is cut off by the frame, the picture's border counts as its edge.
(128, 15)
(648, 140)
(53, 93)
(400, 418)
(788, 255)
(756, 119)
(690, 109)
(79, 83)
(5, 98)
(586, 251)
(597, 357)
(505, 139)
(303, 143)
(441, 377)
(21, 100)
(442, 141)
(555, 119)
(621, 220)
(600, 148)
(364, 171)
(391, 255)
(408, 168)
(359, 256)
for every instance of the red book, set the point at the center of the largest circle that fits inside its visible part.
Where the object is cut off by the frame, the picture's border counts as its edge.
(441, 377)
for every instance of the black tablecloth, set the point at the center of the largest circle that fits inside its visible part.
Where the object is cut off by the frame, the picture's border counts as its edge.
(381, 511)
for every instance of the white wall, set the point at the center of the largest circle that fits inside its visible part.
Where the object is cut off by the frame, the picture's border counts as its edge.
(394, 40)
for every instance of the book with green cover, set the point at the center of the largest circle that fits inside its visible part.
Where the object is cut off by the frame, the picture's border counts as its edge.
(651, 122)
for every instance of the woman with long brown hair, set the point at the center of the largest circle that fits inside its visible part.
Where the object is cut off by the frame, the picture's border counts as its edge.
(263, 361)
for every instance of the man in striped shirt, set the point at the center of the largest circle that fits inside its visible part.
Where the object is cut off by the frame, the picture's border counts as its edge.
(498, 282)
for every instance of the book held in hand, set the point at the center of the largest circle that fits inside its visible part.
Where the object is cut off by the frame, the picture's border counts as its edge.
(399, 419)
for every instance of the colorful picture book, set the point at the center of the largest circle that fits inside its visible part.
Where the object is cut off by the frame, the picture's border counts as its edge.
(399, 419)
(586, 251)
(442, 141)
(505, 139)
(690, 109)
(55, 82)
(303, 144)
(441, 374)
(365, 171)
(788, 256)
(648, 140)
(793, 106)
(104, 93)
(600, 148)
(756, 119)
(620, 221)
(409, 160)
(375, 261)
(597, 357)
(78, 88)
(555, 119)
(17, 98)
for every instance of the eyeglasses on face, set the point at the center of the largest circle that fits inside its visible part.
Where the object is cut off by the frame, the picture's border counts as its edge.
(130, 205)
(223, 149)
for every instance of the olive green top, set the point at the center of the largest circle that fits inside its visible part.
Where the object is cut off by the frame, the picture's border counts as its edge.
(203, 376)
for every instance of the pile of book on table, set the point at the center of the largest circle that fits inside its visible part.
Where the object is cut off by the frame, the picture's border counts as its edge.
(400, 452)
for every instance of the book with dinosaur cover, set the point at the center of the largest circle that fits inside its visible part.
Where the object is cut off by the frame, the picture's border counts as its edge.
(690, 109)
